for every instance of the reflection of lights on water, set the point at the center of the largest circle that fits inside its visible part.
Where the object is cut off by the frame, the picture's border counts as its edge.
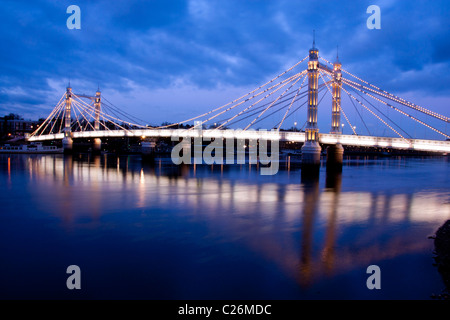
(142, 177)
(141, 190)
(266, 217)
(9, 171)
(97, 162)
(353, 207)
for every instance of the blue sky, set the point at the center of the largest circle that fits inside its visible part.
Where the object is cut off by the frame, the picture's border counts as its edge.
(168, 60)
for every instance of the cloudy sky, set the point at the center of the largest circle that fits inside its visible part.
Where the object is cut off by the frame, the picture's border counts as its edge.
(167, 60)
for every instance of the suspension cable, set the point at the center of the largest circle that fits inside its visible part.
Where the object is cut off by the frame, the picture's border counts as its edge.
(265, 104)
(82, 114)
(54, 111)
(387, 117)
(402, 101)
(379, 118)
(285, 82)
(130, 116)
(280, 96)
(405, 114)
(120, 120)
(62, 110)
(236, 100)
(92, 109)
(293, 100)
(342, 110)
(328, 74)
(321, 88)
(260, 107)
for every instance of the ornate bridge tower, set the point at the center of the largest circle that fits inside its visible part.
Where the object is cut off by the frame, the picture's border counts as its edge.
(336, 107)
(335, 153)
(67, 140)
(311, 149)
(97, 108)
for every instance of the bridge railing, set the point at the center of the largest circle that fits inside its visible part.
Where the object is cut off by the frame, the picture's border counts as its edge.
(353, 140)
(385, 142)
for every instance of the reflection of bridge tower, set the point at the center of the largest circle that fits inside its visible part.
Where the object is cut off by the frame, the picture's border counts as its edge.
(328, 257)
(311, 149)
(335, 153)
(311, 192)
(97, 108)
(67, 140)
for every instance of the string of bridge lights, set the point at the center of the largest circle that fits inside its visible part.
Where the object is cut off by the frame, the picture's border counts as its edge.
(253, 103)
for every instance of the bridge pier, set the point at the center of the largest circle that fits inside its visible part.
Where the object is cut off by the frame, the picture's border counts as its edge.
(335, 157)
(97, 147)
(148, 149)
(311, 153)
(67, 141)
(67, 144)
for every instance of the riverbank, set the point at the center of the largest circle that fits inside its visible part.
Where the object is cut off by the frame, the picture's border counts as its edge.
(442, 257)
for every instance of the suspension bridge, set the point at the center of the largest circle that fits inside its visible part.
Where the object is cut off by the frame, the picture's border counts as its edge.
(306, 83)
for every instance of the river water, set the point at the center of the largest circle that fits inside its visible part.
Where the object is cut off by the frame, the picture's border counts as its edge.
(160, 231)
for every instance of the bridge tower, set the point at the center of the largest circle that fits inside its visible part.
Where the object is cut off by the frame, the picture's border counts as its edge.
(97, 108)
(335, 153)
(311, 149)
(336, 107)
(67, 140)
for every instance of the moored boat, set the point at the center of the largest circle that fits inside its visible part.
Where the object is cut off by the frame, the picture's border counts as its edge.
(31, 148)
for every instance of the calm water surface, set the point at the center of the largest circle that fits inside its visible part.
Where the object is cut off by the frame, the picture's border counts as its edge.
(141, 231)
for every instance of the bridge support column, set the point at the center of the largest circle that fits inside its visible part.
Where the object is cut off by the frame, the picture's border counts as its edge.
(67, 141)
(336, 103)
(97, 146)
(311, 153)
(97, 108)
(335, 153)
(148, 149)
(67, 144)
(311, 150)
(335, 157)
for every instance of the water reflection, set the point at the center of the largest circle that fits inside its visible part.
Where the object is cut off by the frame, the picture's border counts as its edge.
(310, 205)
(310, 227)
(9, 172)
(333, 185)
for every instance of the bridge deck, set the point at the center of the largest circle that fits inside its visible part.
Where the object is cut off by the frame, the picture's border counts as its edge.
(350, 140)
